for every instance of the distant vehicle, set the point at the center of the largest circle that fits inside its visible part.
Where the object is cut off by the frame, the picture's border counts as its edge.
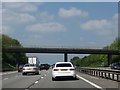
(115, 65)
(33, 60)
(20, 68)
(63, 69)
(44, 66)
(30, 68)
(53, 65)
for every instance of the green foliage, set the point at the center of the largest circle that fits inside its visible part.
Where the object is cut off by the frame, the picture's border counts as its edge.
(11, 58)
(96, 60)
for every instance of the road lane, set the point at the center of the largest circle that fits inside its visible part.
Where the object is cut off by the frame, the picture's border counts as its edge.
(19, 81)
(104, 83)
(44, 80)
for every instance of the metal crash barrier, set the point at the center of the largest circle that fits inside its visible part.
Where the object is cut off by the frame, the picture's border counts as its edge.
(108, 74)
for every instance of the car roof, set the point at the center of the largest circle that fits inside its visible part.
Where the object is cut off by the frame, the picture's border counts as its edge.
(63, 62)
(29, 64)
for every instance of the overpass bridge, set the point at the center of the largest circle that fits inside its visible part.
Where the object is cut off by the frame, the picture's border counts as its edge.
(64, 51)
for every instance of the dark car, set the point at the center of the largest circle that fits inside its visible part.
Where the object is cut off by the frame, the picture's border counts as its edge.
(53, 65)
(44, 66)
(115, 65)
(20, 68)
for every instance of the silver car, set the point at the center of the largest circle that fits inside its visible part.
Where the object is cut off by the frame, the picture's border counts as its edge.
(30, 68)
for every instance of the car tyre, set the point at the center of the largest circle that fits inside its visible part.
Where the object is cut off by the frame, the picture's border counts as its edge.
(53, 79)
(37, 73)
(75, 77)
(24, 73)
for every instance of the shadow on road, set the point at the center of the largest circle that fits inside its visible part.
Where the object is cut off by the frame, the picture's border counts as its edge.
(66, 79)
(31, 74)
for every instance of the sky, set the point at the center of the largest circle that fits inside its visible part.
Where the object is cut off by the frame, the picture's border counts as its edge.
(60, 24)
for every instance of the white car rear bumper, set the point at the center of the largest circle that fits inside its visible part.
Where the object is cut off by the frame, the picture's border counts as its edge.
(63, 74)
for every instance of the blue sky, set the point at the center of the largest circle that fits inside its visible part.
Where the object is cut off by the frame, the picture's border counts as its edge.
(61, 24)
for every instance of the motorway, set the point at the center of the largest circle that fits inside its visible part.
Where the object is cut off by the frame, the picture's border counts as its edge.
(17, 80)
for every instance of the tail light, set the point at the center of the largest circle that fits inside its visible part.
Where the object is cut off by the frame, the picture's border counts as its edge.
(23, 68)
(55, 69)
(72, 69)
(35, 68)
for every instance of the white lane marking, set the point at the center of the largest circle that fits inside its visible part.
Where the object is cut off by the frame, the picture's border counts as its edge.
(91, 83)
(42, 77)
(36, 82)
(5, 78)
(26, 89)
(8, 73)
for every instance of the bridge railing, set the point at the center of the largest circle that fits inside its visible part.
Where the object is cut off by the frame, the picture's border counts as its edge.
(107, 74)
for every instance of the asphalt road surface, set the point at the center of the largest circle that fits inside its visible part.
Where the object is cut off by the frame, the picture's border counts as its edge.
(44, 80)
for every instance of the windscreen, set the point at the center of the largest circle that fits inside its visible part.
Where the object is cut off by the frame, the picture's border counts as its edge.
(64, 65)
(27, 65)
(32, 65)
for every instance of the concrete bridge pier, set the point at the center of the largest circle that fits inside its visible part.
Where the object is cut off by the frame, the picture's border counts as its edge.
(65, 57)
(109, 59)
(18, 58)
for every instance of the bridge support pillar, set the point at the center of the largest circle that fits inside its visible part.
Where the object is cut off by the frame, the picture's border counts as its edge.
(18, 59)
(109, 59)
(65, 57)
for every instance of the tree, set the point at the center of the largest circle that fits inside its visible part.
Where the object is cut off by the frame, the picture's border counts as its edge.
(11, 58)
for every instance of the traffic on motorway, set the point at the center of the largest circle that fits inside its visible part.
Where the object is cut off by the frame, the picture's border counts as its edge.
(45, 79)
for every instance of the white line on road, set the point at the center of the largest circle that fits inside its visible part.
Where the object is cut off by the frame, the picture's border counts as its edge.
(91, 83)
(5, 78)
(36, 82)
(8, 72)
(42, 77)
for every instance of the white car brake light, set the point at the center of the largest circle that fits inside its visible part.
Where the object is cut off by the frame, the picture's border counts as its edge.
(72, 69)
(55, 69)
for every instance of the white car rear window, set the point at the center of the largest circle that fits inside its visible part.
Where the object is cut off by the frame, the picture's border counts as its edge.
(29, 65)
(64, 65)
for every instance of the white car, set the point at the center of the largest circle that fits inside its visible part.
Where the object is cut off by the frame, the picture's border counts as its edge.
(63, 69)
(30, 68)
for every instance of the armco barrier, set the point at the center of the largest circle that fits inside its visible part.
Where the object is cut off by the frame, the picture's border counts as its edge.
(108, 74)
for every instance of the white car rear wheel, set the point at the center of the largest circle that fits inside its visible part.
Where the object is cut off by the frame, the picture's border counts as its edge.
(53, 79)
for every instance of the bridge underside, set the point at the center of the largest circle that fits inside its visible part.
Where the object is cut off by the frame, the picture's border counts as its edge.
(64, 51)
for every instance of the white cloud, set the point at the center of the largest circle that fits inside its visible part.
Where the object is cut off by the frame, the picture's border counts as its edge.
(46, 27)
(12, 18)
(21, 6)
(25, 18)
(115, 17)
(102, 27)
(45, 16)
(95, 24)
(7, 30)
(72, 12)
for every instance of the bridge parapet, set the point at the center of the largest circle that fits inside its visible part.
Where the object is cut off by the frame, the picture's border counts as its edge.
(60, 50)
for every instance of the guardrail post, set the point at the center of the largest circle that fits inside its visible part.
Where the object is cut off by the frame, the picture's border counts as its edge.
(96, 73)
(112, 76)
(117, 77)
(105, 75)
(101, 74)
(109, 76)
